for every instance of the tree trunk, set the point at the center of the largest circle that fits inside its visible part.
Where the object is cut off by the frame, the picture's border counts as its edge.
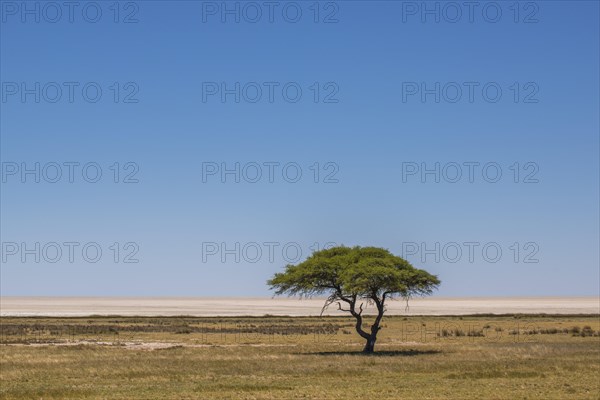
(370, 346)
(372, 338)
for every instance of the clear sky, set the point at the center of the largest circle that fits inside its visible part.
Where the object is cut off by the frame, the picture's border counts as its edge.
(387, 93)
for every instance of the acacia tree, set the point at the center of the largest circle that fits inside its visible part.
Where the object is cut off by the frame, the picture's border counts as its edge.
(353, 276)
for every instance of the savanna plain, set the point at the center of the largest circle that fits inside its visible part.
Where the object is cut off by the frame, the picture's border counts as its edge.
(418, 357)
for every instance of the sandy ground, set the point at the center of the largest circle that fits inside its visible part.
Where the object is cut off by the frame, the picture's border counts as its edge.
(196, 306)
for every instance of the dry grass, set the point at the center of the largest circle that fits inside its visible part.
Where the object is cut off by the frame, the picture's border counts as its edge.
(484, 357)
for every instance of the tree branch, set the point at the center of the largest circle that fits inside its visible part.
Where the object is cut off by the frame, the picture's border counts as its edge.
(330, 300)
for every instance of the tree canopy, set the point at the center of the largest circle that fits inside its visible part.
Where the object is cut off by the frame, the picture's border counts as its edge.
(351, 276)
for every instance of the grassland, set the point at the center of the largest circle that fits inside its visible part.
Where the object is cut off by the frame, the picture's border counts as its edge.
(469, 357)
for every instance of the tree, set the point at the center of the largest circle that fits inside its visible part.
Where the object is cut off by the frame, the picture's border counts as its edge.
(352, 276)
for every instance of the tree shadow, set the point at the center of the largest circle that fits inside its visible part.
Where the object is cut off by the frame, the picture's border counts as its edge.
(381, 353)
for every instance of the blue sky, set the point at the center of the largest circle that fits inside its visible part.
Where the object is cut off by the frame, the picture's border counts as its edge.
(365, 131)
